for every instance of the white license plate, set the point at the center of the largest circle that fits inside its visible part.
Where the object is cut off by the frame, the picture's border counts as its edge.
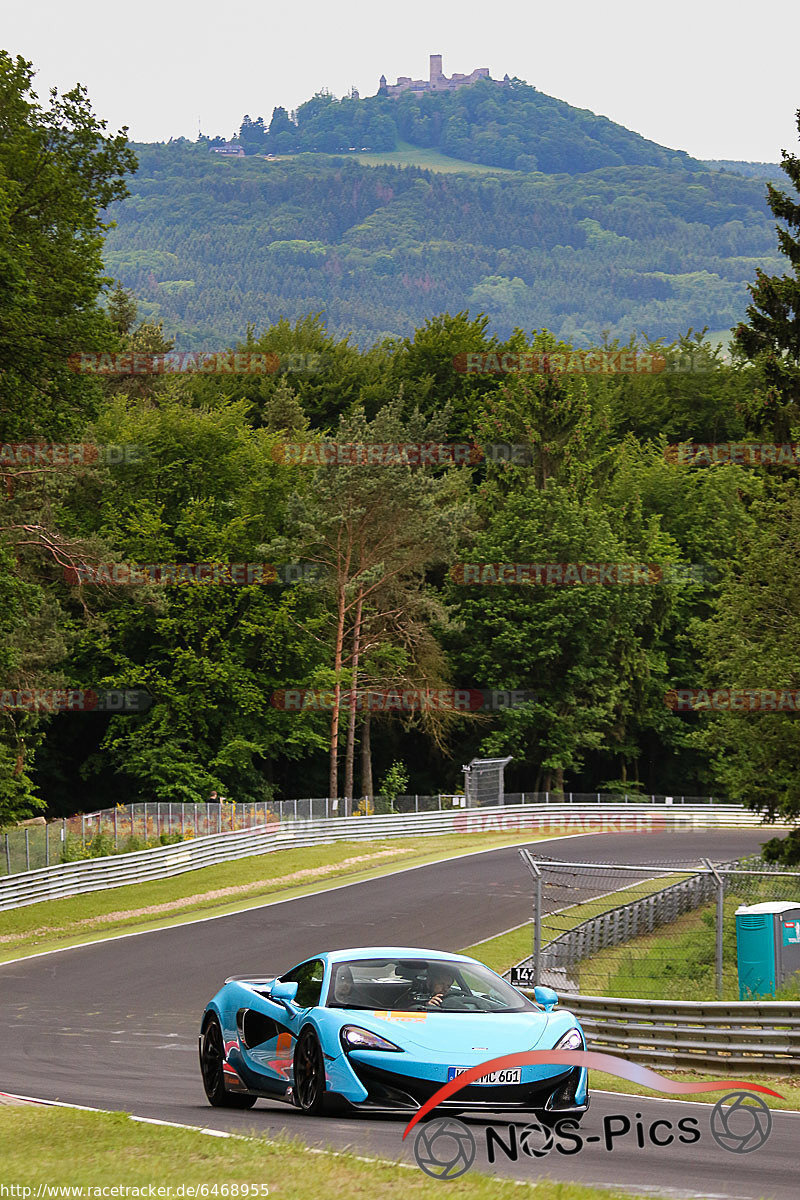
(511, 1075)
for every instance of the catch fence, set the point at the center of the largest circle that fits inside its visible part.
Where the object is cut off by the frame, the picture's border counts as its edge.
(133, 827)
(656, 931)
(545, 820)
(122, 829)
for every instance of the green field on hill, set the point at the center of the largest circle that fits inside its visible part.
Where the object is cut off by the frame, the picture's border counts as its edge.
(407, 155)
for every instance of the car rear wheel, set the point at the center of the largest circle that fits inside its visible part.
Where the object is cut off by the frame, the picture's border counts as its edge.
(309, 1073)
(212, 1056)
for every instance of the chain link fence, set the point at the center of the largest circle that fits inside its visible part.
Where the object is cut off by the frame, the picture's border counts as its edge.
(294, 810)
(121, 830)
(660, 931)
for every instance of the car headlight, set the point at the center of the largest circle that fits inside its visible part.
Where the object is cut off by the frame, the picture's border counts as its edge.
(572, 1040)
(355, 1038)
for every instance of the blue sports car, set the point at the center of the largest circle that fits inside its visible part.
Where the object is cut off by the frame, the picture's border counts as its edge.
(379, 1029)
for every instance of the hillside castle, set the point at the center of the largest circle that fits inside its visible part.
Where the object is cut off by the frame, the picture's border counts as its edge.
(437, 82)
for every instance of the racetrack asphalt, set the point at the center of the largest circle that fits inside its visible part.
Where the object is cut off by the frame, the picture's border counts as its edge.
(114, 1024)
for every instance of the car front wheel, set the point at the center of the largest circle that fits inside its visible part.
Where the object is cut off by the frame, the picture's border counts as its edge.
(309, 1073)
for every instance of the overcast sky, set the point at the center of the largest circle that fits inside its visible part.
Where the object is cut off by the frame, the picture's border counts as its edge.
(717, 78)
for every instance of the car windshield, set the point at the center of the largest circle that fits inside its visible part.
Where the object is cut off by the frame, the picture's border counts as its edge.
(421, 985)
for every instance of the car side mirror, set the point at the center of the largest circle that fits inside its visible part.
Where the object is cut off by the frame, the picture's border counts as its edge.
(546, 997)
(283, 993)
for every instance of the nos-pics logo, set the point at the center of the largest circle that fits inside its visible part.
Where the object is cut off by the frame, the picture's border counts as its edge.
(445, 1148)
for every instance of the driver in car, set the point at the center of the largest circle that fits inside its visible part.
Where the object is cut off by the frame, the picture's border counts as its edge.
(439, 978)
(344, 986)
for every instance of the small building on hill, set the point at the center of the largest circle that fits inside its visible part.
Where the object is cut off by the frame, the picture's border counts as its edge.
(231, 149)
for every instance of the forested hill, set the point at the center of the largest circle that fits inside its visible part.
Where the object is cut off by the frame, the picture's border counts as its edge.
(209, 244)
(501, 125)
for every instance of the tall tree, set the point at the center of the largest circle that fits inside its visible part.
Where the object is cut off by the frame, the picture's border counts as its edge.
(753, 643)
(771, 335)
(371, 527)
(204, 488)
(58, 172)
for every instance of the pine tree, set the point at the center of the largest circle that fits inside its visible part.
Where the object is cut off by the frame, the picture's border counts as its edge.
(771, 336)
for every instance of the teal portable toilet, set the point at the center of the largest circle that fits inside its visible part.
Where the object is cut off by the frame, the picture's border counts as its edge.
(767, 946)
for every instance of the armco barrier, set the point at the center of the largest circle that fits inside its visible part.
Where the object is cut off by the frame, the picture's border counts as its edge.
(32, 845)
(743, 1036)
(91, 875)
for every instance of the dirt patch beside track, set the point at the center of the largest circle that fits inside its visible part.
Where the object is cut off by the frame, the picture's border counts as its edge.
(251, 888)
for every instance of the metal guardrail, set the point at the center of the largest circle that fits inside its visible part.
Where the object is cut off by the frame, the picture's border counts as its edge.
(126, 826)
(90, 875)
(746, 1035)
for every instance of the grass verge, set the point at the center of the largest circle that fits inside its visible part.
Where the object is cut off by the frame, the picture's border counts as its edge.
(676, 962)
(226, 888)
(92, 1150)
(789, 1087)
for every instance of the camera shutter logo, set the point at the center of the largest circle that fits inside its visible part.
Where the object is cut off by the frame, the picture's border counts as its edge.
(744, 1125)
(536, 1140)
(444, 1148)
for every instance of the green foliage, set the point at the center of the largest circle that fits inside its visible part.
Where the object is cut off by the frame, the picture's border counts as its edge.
(379, 249)
(58, 171)
(640, 239)
(770, 337)
(751, 641)
(784, 850)
(75, 849)
(206, 489)
(394, 782)
(676, 965)
(510, 125)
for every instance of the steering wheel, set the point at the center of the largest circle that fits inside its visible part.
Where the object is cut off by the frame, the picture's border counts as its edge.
(468, 1002)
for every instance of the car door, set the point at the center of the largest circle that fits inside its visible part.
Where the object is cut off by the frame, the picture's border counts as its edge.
(268, 1038)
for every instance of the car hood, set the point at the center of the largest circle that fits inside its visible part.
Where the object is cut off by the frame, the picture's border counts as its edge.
(488, 1034)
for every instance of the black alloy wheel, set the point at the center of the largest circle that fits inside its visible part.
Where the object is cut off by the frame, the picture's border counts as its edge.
(212, 1056)
(309, 1073)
